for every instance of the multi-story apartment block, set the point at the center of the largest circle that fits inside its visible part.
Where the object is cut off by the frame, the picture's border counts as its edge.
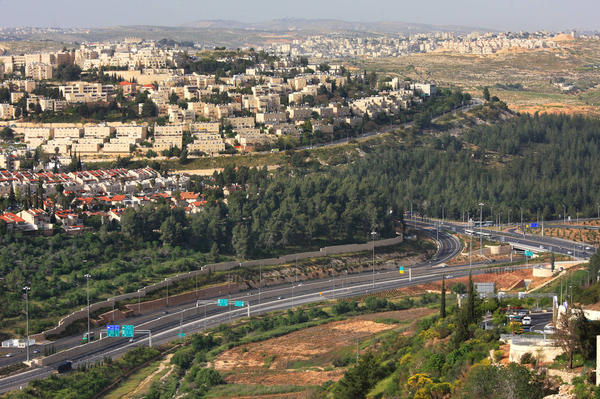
(204, 127)
(132, 131)
(208, 143)
(45, 133)
(39, 71)
(86, 92)
(240, 122)
(97, 131)
(67, 132)
(7, 111)
(271, 117)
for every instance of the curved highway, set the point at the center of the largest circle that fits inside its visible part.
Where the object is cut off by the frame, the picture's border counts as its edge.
(285, 296)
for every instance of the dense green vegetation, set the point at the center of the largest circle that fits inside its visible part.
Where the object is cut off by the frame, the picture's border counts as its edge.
(446, 357)
(86, 383)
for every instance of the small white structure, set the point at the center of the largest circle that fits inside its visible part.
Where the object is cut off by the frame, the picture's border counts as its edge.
(17, 343)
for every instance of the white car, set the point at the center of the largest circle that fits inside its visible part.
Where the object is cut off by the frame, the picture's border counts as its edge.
(549, 329)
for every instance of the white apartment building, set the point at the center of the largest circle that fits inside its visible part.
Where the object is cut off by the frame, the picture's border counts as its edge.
(132, 131)
(7, 111)
(45, 133)
(240, 122)
(39, 71)
(67, 132)
(97, 131)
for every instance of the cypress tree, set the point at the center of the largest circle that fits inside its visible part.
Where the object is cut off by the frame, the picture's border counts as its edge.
(470, 300)
(443, 299)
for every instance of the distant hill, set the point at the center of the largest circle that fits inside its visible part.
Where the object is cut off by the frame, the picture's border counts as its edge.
(332, 25)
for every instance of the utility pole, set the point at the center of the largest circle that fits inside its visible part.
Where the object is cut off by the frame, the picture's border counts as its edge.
(87, 283)
(259, 282)
(373, 233)
(27, 289)
(167, 279)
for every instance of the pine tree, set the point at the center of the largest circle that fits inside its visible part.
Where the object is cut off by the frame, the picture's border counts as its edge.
(443, 299)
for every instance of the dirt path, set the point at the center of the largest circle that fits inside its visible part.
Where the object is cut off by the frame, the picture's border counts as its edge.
(148, 380)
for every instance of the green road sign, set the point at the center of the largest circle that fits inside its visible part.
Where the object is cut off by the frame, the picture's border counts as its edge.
(127, 331)
(181, 335)
(222, 302)
(401, 270)
(529, 254)
(112, 330)
(239, 304)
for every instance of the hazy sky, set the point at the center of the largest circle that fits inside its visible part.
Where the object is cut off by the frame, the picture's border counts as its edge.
(498, 14)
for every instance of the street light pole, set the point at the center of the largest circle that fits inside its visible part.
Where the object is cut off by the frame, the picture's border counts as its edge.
(373, 233)
(26, 289)
(87, 290)
(481, 228)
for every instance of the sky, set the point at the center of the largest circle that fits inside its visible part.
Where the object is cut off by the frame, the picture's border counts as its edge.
(511, 15)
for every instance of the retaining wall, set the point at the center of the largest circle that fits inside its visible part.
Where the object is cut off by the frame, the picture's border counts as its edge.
(223, 266)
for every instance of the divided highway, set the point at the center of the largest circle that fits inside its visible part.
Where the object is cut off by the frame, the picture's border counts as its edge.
(285, 296)
(265, 300)
(550, 244)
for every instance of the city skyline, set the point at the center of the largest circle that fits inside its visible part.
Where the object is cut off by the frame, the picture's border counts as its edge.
(498, 15)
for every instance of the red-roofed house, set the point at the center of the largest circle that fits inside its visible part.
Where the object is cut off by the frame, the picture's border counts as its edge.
(36, 217)
(14, 222)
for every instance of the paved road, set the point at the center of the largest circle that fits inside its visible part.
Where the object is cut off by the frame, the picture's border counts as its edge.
(268, 299)
(550, 244)
(387, 129)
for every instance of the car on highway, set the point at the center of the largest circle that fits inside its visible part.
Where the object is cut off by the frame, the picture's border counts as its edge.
(549, 329)
(570, 252)
(280, 297)
(36, 351)
(526, 321)
(522, 312)
(588, 248)
(9, 355)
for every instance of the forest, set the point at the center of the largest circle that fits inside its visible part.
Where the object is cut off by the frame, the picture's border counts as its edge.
(535, 163)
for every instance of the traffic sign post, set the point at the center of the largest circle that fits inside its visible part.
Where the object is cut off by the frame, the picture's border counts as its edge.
(112, 330)
(222, 302)
(127, 331)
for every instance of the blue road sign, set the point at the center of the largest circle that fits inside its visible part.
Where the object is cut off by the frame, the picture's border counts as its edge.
(112, 330)
(534, 225)
(222, 302)
(127, 331)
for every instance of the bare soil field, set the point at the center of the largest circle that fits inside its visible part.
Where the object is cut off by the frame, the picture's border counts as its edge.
(524, 79)
(304, 357)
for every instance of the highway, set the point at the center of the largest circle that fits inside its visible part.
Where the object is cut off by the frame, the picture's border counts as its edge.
(550, 244)
(268, 299)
